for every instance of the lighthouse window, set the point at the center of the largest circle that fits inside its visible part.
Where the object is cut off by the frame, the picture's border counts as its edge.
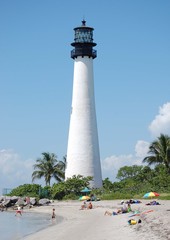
(83, 36)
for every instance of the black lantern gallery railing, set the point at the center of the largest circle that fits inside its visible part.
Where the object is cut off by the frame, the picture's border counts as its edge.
(89, 52)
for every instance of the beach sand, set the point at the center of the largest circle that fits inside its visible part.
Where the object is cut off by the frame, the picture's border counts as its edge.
(94, 225)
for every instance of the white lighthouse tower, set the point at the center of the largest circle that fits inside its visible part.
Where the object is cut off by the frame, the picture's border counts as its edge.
(83, 156)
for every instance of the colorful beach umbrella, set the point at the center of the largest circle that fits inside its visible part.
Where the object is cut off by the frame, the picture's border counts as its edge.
(151, 194)
(83, 198)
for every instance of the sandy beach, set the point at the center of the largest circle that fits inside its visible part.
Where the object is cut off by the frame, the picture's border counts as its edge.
(93, 224)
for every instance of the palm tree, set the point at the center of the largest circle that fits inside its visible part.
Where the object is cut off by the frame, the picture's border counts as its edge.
(62, 164)
(48, 166)
(159, 151)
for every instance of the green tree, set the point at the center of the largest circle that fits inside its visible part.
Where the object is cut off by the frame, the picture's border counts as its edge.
(159, 152)
(58, 190)
(62, 165)
(145, 175)
(107, 184)
(48, 167)
(128, 172)
(71, 188)
(77, 183)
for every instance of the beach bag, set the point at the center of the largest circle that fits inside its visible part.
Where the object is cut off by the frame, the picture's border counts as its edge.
(132, 222)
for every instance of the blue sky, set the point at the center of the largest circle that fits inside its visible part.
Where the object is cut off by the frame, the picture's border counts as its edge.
(131, 74)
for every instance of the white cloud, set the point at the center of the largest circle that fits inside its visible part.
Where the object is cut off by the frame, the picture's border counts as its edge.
(141, 149)
(161, 123)
(116, 161)
(112, 164)
(14, 171)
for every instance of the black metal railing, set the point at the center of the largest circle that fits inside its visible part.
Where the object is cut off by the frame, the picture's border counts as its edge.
(89, 52)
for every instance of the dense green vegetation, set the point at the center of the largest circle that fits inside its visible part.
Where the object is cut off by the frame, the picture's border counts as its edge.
(133, 181)
(69, 189)
(136, 184)
(31, 190)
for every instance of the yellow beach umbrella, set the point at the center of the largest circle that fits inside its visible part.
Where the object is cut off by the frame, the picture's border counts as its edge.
(83, 198)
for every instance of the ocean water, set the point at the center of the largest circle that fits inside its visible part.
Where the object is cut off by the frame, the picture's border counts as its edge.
(17, 227)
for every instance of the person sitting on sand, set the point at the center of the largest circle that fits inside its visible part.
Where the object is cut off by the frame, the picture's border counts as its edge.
(124, 208)
(84, 206)
(129, 209)
(90, 206)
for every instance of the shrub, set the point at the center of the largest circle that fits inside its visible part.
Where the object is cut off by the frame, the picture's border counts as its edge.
(31, 190)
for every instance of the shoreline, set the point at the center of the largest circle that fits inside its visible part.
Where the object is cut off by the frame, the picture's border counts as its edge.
(92, 224)
(18, 227)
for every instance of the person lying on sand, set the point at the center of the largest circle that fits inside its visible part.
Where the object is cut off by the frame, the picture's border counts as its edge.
(124, 209)
(153, 203)
(131, 201)
(119, 211)
(110, 213)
